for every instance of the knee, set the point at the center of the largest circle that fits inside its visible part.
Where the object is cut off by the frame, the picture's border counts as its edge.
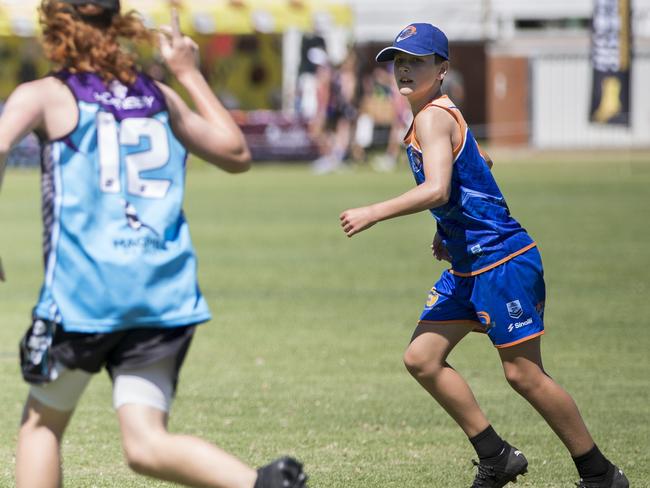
(140, 454)
(421, 365)
(523, 380)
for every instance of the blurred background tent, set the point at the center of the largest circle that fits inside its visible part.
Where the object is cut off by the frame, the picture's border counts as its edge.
(250, 54)
(521, 71)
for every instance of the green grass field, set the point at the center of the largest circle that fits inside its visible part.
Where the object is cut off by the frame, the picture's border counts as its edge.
(304, 353)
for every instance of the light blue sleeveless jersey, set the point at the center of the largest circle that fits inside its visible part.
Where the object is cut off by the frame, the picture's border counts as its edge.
(117, 248)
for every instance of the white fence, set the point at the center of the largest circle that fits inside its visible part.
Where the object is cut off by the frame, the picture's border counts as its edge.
(561, 97)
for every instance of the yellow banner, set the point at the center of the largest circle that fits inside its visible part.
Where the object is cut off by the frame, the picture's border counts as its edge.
(20, 17)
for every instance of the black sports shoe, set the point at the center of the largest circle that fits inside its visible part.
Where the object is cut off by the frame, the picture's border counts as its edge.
(512, 463)
(615, 478)
(285, 472)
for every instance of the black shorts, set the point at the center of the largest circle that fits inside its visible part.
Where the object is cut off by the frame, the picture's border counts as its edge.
(46, 347)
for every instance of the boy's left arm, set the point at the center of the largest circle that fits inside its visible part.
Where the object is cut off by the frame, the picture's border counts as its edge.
(435, 128)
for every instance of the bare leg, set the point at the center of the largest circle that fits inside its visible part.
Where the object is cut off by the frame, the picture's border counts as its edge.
(38, 456)
(426, 360)
(152, 451)
(524, 371)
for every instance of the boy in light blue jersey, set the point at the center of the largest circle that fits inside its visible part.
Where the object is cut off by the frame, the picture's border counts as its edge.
(495, 284)
(120, 288)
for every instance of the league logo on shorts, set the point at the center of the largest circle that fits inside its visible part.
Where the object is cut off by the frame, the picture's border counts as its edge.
(406, 33)
(514, 309)
(484, 318)
(433, 298)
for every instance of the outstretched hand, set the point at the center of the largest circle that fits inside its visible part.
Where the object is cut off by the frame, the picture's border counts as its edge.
(355, 220)
(439, 250)
(179, 52)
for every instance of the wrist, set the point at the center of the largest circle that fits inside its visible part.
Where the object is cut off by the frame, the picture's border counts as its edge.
(186, 76)
(374, 213)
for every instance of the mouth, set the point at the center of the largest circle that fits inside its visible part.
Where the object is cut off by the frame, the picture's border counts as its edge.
(405, 81)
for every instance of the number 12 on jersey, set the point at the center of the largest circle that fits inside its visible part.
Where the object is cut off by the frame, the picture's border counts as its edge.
(110, 137)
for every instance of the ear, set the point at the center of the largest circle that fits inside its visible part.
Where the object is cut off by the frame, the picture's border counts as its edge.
(443, 68)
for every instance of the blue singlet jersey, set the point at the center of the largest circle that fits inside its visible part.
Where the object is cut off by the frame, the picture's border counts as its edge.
(475, 224)
(117, 248)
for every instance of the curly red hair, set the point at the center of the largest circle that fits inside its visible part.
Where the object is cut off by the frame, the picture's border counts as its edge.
(78, 43)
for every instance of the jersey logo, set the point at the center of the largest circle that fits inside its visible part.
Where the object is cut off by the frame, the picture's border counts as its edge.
(415, 160)
(409, 31)
(134, 221)
(119, 90)
(514, 309)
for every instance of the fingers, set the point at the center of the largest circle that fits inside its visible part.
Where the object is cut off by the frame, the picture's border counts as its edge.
(348, 227)
(176, 24)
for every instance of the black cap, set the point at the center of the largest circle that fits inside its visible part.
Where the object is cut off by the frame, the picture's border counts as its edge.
(112, 5)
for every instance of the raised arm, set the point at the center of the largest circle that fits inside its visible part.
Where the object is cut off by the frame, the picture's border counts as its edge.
(211, 133)
(22, 113)
(435, 129)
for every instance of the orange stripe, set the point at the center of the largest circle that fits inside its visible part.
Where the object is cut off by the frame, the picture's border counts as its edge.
(510, 344)
(494, 265)
(446, 104)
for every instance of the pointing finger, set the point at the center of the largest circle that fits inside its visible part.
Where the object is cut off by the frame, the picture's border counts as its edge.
(176, 24)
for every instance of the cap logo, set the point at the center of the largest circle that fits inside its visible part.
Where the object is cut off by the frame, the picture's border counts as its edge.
(406, 33)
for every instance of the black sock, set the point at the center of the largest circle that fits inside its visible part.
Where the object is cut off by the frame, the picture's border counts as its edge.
(592, 464)
(487, 444)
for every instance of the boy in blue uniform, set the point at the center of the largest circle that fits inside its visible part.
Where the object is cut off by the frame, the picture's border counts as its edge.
(496, 282)
(120, 288)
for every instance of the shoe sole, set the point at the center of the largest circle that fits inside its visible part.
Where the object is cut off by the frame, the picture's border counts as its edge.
(513, 478)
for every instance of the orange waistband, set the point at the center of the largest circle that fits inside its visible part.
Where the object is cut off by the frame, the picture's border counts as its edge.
(494, 265)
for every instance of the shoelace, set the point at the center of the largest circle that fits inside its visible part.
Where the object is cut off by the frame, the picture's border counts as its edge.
(485, 472)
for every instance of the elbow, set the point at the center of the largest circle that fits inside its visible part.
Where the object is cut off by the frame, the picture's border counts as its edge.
(240, 161)
(234, 160)
(437, 197)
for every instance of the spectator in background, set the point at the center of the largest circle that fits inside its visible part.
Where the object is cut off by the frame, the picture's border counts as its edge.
(382, 107)
(454, 87)
(341, 109)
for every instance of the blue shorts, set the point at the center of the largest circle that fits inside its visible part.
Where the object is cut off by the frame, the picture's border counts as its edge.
(506, 302)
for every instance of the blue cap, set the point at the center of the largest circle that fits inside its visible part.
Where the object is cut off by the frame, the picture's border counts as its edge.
(418, 40)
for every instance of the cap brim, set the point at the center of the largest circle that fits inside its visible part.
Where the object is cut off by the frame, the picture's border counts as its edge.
(111, 5)
(388, 54)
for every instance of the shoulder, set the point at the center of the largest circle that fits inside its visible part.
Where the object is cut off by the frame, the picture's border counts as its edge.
(42, 91)
(171, 97)
(435, 120)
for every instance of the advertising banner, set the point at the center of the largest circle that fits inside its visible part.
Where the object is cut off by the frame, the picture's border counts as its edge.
(611, 59)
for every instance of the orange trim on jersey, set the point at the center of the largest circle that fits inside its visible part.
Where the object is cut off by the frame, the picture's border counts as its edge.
(411, 139)
(446, 104)
(510, 344)
(494, 265)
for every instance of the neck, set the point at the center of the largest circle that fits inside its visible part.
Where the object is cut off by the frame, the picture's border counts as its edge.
(418, 103)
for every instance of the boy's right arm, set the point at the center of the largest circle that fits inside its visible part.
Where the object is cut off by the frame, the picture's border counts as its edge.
(211, 134)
